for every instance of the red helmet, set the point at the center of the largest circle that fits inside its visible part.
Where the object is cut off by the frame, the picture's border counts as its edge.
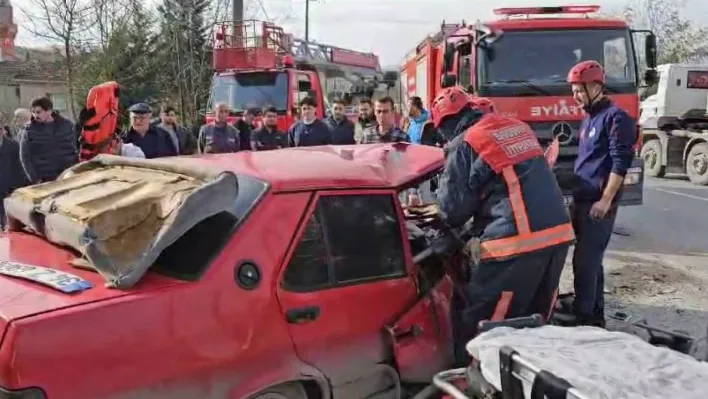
(483, 104)
(449, 102)
(586, 72)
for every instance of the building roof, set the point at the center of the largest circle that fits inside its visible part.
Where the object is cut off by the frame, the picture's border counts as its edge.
(31, 71)
(333, 167)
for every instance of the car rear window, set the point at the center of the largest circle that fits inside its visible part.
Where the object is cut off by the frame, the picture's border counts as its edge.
(189, 256)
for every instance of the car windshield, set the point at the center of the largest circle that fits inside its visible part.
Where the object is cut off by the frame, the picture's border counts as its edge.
(538, 58)
(251, 90)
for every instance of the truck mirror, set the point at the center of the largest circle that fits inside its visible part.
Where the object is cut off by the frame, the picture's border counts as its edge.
(651, 77)
(448, 80)
(390, 78)
(448, 57)
(304, 86)
(465, 49)
(650, 51)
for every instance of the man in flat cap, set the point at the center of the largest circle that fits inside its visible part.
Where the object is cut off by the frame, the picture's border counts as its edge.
(154, 142)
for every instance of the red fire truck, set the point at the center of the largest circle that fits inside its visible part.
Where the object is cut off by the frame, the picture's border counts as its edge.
(521, 60)
(257, 65)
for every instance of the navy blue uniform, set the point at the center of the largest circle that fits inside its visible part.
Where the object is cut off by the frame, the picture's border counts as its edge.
(607, 137)
(496, 174)
(156, 143)
(303, 134)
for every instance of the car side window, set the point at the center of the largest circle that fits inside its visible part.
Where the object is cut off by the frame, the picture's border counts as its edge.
(360, 238)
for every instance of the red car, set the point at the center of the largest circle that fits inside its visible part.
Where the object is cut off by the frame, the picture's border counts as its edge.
(305, 289)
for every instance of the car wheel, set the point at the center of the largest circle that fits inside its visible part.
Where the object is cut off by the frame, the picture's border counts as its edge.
(651, 155)
(285, 391)
(697, 164)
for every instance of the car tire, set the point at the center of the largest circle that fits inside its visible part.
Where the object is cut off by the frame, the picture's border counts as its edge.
(651, 155)
(285, 391)
(697, 164)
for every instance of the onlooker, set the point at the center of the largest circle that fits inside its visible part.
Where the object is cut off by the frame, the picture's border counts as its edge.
(48, 143)
(22, 116)
(182, 138)
(366, 119)
(419, 126)
(11, 176)
(245, 126)
(268, 137)
(308, 131)
(128, 150)
(219, 137)
(385, 131)
(340, 127)
(152, 140)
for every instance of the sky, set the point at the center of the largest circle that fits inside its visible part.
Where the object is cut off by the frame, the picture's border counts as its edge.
(388, 28)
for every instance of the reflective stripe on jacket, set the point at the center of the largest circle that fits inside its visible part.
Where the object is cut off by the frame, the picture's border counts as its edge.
(496, 173)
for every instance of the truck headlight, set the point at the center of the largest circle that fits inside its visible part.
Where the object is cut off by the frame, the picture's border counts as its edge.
(633, 176)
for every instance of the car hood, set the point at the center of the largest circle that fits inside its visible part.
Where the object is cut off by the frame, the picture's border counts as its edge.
(20, 298)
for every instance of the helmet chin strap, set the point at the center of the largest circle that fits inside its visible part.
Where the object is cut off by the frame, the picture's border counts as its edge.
(591, 101)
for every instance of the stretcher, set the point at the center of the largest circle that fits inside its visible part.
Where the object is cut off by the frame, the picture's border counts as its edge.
(572, 362)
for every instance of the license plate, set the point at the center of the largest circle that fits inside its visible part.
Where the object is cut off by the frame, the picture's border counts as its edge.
(568, 200)
(64, 282)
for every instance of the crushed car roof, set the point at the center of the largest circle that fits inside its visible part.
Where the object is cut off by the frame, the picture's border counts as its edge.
(333, 167)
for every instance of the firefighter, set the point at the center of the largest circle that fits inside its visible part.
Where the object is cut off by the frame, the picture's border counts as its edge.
(607, 138)
(495, 171)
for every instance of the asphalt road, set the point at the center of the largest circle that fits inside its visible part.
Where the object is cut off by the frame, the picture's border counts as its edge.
(672, 220)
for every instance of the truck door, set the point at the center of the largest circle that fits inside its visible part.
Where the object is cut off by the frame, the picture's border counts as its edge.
(347, 275)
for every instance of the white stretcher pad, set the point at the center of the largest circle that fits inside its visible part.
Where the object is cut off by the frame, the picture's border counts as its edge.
(597, 362)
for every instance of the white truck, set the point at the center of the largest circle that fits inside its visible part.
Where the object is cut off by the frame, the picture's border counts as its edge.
(674, 123)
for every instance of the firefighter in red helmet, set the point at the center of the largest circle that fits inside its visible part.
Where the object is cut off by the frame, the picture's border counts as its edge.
(496, 174)
(605, 152)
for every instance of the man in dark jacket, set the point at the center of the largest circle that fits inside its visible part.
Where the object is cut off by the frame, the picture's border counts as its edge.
(245, 126)
(268, 137)
(219, 137)
(308, 131)
(48, 144)
(495, 170)
(366, 119)
(607, 137)
(154, 142)
(340, 127)
(182, 138)
(12, 176)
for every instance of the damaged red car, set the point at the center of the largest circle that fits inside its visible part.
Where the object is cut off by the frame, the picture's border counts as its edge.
(277, 274)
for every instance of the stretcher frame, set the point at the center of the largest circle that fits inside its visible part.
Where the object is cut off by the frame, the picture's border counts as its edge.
(514, 370)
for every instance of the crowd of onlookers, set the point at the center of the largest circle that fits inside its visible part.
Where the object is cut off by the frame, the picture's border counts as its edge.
(40, 144)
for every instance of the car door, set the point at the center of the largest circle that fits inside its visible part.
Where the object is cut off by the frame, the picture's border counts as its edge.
(346, 276)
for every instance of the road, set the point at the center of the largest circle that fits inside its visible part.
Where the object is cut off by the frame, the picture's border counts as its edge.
(673, 219)
(656, 267)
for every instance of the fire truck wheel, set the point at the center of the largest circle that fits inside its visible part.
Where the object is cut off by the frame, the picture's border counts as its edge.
(285, 391)
(697, 164)
(651, 155)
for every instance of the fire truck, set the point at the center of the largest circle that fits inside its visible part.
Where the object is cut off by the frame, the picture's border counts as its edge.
(258, 65)
(521, 59)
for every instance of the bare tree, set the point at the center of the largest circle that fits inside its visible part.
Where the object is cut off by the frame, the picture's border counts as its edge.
(678, 39)
(63, 22)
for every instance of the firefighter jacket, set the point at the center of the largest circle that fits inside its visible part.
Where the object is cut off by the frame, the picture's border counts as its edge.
(495, 173)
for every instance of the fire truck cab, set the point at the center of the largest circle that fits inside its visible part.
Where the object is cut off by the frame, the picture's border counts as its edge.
(257, 65)
(521, 60)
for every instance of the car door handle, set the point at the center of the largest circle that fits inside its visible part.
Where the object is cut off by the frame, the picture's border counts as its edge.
(302, 315)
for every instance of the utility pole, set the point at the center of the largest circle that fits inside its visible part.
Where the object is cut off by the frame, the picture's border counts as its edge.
(237, 11)
(307, 20)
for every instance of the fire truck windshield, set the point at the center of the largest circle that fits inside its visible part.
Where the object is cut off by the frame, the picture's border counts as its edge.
(537, 62)
(251, 90)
